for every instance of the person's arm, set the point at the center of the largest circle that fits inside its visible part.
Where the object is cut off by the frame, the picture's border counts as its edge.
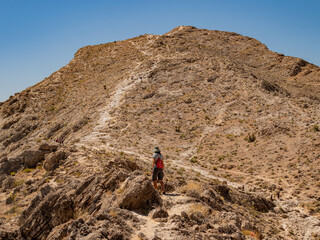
(154, 162)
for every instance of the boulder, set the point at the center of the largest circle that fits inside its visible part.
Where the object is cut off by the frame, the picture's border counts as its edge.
(8, 183)
(139, 194)
(49, 147)
(158, 213)
(52, 160)
(2, 178)
(11, 165)
(9, 200)
(32, 157)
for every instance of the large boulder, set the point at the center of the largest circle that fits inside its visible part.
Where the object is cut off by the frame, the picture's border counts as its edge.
(139, 194)
(10, 165)
(52, 160)
(32, 157)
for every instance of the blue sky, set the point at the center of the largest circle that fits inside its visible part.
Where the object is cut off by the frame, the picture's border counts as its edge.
(37, 37)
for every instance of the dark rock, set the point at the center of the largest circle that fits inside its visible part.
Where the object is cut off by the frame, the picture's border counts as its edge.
(32, 157)
(211, 198)
(50, 148)
(197, 217)
(8, 183)
(228, 228)
(28, 182)
(261, 204)
(45, 190)
(2, 178)
(80, 124)
(8, 235)
(158, 213)
(224, 191)
(9, 200)
(54, 129)
(11, 165)
(156, 238)
(212, 78)
(10, 123)
(185, 216)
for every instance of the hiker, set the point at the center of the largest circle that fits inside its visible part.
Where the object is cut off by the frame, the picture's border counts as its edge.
(158, 168)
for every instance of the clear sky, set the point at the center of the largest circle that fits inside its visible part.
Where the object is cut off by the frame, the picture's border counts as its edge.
(37, 37)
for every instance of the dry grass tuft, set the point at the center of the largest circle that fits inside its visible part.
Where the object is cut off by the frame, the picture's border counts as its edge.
(192, 188)
(199, 208)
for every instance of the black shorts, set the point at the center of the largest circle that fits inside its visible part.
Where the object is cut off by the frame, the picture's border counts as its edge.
(157, 174)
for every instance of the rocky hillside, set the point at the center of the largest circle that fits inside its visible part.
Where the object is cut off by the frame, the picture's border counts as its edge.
(237, 123)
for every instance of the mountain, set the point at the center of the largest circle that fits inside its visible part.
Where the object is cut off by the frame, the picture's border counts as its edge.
(238, 126)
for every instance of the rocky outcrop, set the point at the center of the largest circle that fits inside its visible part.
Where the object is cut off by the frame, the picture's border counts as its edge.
(258, 203)
(139, 194)
(52, 160)
(30, 158)
(47, 210)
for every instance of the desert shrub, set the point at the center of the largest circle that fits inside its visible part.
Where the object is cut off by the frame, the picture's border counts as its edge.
(18, 183)
(250, 137)
(192, 188)
(194, 159)
(316, 128)
(270, 87)
(199, 208)
(27, 170)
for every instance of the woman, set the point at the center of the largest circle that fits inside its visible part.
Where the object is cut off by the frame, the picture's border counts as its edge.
(158, 168)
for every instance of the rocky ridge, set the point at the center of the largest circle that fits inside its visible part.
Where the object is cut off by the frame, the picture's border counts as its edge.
(238, 125)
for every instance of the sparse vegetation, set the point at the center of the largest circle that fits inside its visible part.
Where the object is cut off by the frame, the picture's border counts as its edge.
(250, 137)
(27, 170)
(316, 128)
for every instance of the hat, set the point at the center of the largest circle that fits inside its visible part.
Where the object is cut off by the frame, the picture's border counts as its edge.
(156, 149)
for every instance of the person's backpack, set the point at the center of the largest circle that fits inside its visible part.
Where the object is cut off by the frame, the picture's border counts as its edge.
(159, 162)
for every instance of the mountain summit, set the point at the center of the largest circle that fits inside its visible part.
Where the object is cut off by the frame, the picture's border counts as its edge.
(238, 126)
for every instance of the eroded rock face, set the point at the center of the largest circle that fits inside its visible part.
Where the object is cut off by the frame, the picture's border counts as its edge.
(139, 194)
(44, 213)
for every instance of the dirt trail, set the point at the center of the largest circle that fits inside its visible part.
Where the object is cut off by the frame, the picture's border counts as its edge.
(174, 204)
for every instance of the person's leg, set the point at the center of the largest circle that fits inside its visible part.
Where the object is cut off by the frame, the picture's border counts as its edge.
(161, 175)
(155, 184)
(162, 186)
(155, 177)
